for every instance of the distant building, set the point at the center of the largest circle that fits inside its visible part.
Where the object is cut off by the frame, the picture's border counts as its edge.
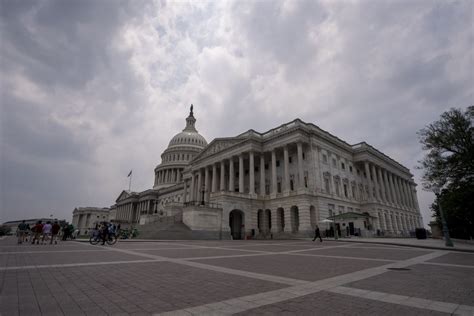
(86, 218)
(277, 184)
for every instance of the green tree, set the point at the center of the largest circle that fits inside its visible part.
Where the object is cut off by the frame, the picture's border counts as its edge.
(449, 164)
(4, 230)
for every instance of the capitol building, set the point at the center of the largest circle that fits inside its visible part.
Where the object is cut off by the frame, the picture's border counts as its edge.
(276, 184)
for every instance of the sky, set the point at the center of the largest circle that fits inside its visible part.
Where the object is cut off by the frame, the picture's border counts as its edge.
(90, 89)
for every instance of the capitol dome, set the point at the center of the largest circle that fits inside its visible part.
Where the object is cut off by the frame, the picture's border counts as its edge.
(182, 148)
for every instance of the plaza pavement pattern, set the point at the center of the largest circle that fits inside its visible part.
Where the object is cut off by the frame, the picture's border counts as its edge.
(292, 277)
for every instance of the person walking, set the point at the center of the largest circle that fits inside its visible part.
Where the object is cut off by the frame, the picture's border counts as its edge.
(21, 231)
(317, 234)
(55, 231)
(47, 228)
(37, 230)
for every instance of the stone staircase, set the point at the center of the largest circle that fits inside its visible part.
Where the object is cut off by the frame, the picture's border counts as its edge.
(170, 228)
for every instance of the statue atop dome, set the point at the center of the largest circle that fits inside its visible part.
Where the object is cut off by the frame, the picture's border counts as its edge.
(191, 111)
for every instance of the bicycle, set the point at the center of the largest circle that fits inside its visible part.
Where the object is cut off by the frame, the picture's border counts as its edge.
(96, 238)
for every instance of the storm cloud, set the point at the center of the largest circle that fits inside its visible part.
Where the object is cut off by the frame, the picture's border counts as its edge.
(92, 89)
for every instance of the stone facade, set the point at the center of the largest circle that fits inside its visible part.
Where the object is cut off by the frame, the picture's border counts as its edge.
(85, 218)
(276, 184)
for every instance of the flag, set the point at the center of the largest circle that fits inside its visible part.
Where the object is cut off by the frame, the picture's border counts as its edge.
(129, 174)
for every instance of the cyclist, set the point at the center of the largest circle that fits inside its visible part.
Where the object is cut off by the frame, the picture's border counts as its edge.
(104, 232)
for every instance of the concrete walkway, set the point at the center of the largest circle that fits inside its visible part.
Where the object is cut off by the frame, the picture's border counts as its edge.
(413, 242)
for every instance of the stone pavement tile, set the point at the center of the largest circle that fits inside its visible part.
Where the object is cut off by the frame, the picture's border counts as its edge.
(136, 288)
(298, 267)
(389, 254)
(455, 258)
(281, 247)
(438, 283)
(147, 245)
(324, 303)
(189, 253)
(29, 259)
(276, 248)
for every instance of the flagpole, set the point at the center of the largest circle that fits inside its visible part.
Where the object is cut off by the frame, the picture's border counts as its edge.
(130, 182)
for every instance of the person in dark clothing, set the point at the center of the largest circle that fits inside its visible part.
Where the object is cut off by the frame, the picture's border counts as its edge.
(317, 234)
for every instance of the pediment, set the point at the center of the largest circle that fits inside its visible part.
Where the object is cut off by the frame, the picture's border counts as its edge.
(123, 196)
(218, 145)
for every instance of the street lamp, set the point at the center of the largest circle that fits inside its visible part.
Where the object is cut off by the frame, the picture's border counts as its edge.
(447, 240)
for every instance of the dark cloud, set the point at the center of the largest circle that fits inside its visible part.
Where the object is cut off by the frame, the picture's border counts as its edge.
(92, 89)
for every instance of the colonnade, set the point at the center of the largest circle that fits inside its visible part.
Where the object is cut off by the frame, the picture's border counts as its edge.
(125, 213)
(171, 175)
(396, 222)
(385, 186)
(220, 176)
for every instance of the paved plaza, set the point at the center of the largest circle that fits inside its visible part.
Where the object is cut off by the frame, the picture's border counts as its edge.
(289, 277)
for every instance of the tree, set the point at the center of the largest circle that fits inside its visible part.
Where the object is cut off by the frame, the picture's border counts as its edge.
(449, 164)
(4, 230)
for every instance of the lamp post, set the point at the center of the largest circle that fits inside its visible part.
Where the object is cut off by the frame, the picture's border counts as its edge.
(447, 240)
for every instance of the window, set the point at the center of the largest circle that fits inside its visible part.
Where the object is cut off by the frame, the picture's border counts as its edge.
(343, 166)
(350, 169)
(326, 185)
(292, 188)
(341, 209)
(304, 156)
(278, 163)
(279, 187)
(325, 159)
(334, 164)
(345, 190)
(266, 166)
(331, 208)
(289, 159)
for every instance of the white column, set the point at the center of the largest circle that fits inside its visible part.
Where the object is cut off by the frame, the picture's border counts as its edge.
(251, 174)
(286, 170)
(231, 174)
(402, 190)
(397, 190)
(262, 175)
(214, 177)
(382, 184)
(222, 174)
(389, 186)
(407, 190)
(185, 191)
(299, 147)
(192, 196)
(206, 184)
(288, 220)
(241, 173)
(319, 174)
(274, 170)
(199, 186)
(398, 198)
(369, 182)
(376, 184)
